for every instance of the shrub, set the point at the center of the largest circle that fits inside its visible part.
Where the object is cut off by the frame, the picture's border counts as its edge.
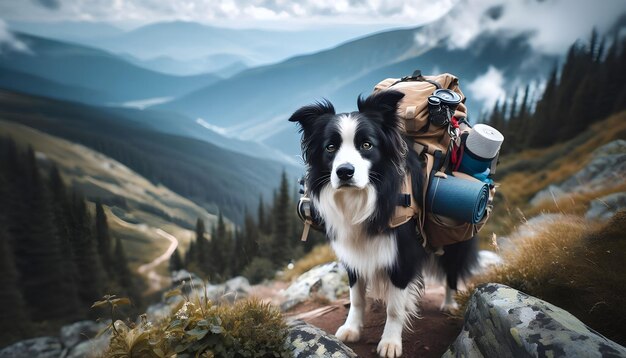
(201, 329)
(259, 269)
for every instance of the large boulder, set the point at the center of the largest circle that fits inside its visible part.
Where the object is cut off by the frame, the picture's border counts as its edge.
(305, 340)
(503, 322)
(606, 169)
(328, 280)
(41, 347)
(604, 208)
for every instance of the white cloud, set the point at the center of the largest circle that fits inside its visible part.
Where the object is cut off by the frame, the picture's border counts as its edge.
(553, 24)
(239, 13)
(9, 42)
(488, 87)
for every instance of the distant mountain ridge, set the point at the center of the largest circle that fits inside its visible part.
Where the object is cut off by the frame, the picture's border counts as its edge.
(255, 104)
(97, 70)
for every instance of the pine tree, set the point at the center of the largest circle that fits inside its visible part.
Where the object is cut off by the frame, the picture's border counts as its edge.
(282, 231)
(220, 250)
(103, 239)
(250, 245)
(176, 261)
(191, 255)
(263, 222)
(91, 275)
(14, 321)
(38, 253)
(543, 124)
(203, 264)
(62, 217)
(123, 275)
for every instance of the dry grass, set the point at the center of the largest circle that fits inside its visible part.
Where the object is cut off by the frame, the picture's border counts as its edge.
(319, 255)
(574, 264)
(522, 175)
(575, 203)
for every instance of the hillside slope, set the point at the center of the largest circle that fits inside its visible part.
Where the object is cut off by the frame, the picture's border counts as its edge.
(137, 209)
(213, 177)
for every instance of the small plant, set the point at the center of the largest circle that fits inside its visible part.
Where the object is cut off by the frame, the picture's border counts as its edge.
(198, 328)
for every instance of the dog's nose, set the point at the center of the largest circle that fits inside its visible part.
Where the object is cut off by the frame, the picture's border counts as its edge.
(345, 171)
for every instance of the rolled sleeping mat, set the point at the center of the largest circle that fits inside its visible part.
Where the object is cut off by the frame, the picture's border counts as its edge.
(463, 199)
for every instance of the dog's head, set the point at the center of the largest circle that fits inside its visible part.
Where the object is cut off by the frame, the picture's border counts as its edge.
(352, 150)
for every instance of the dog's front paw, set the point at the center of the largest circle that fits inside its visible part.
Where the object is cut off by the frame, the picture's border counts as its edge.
(449, 307)
(347, 333)
(389, 348)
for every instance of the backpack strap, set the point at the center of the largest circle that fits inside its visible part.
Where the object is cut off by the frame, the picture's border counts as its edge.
(407, 207)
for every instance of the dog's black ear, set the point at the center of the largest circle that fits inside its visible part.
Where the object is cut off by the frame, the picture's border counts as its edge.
(307, 114)
(383, 102)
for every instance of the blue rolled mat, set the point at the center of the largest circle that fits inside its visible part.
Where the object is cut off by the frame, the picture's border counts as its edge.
(459, 199)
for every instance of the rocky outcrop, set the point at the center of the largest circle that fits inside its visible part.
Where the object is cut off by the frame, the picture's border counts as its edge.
(41, 347)
(328, 280)
(75, 340)
(604, 208)
(305, 340)
(503, 322)
(606, 168)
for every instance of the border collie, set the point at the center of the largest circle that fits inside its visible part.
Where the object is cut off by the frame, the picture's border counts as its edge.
(356, 163)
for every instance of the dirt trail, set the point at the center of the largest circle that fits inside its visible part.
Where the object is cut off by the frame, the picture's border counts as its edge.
(154, 279)
(431, 335)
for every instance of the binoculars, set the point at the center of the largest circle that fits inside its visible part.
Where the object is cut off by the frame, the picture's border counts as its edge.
(441, 106)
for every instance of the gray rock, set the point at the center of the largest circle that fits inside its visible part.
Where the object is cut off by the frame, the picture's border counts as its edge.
(606, 168)
(41, 347)
(503, 322)
(188, 278)
(77, 332)
(486, 259)
(93, 348)
(305, 340)
(604, 208)
(327, 280)
(239, 285)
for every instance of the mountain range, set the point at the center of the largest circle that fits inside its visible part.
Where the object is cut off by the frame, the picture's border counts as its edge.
(95, 70)
(255, 103)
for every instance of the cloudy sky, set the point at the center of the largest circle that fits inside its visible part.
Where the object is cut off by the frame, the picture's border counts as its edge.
(555, 22)
(236, 13)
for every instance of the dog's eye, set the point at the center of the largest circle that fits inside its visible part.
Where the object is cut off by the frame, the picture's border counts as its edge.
(331, 148)
(366, 146)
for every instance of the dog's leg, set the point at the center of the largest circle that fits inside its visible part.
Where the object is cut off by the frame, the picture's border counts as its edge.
(449, 303)
(351, 329)
(390, 345)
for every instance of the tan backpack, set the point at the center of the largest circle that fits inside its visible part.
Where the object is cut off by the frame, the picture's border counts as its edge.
(437, 146)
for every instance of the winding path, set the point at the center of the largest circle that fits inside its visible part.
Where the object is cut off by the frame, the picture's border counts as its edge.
(149, 270)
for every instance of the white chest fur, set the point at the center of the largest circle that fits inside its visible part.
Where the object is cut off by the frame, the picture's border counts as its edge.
(345, 212)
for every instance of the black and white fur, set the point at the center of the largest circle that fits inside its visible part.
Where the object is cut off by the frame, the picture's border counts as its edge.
(356, 163)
